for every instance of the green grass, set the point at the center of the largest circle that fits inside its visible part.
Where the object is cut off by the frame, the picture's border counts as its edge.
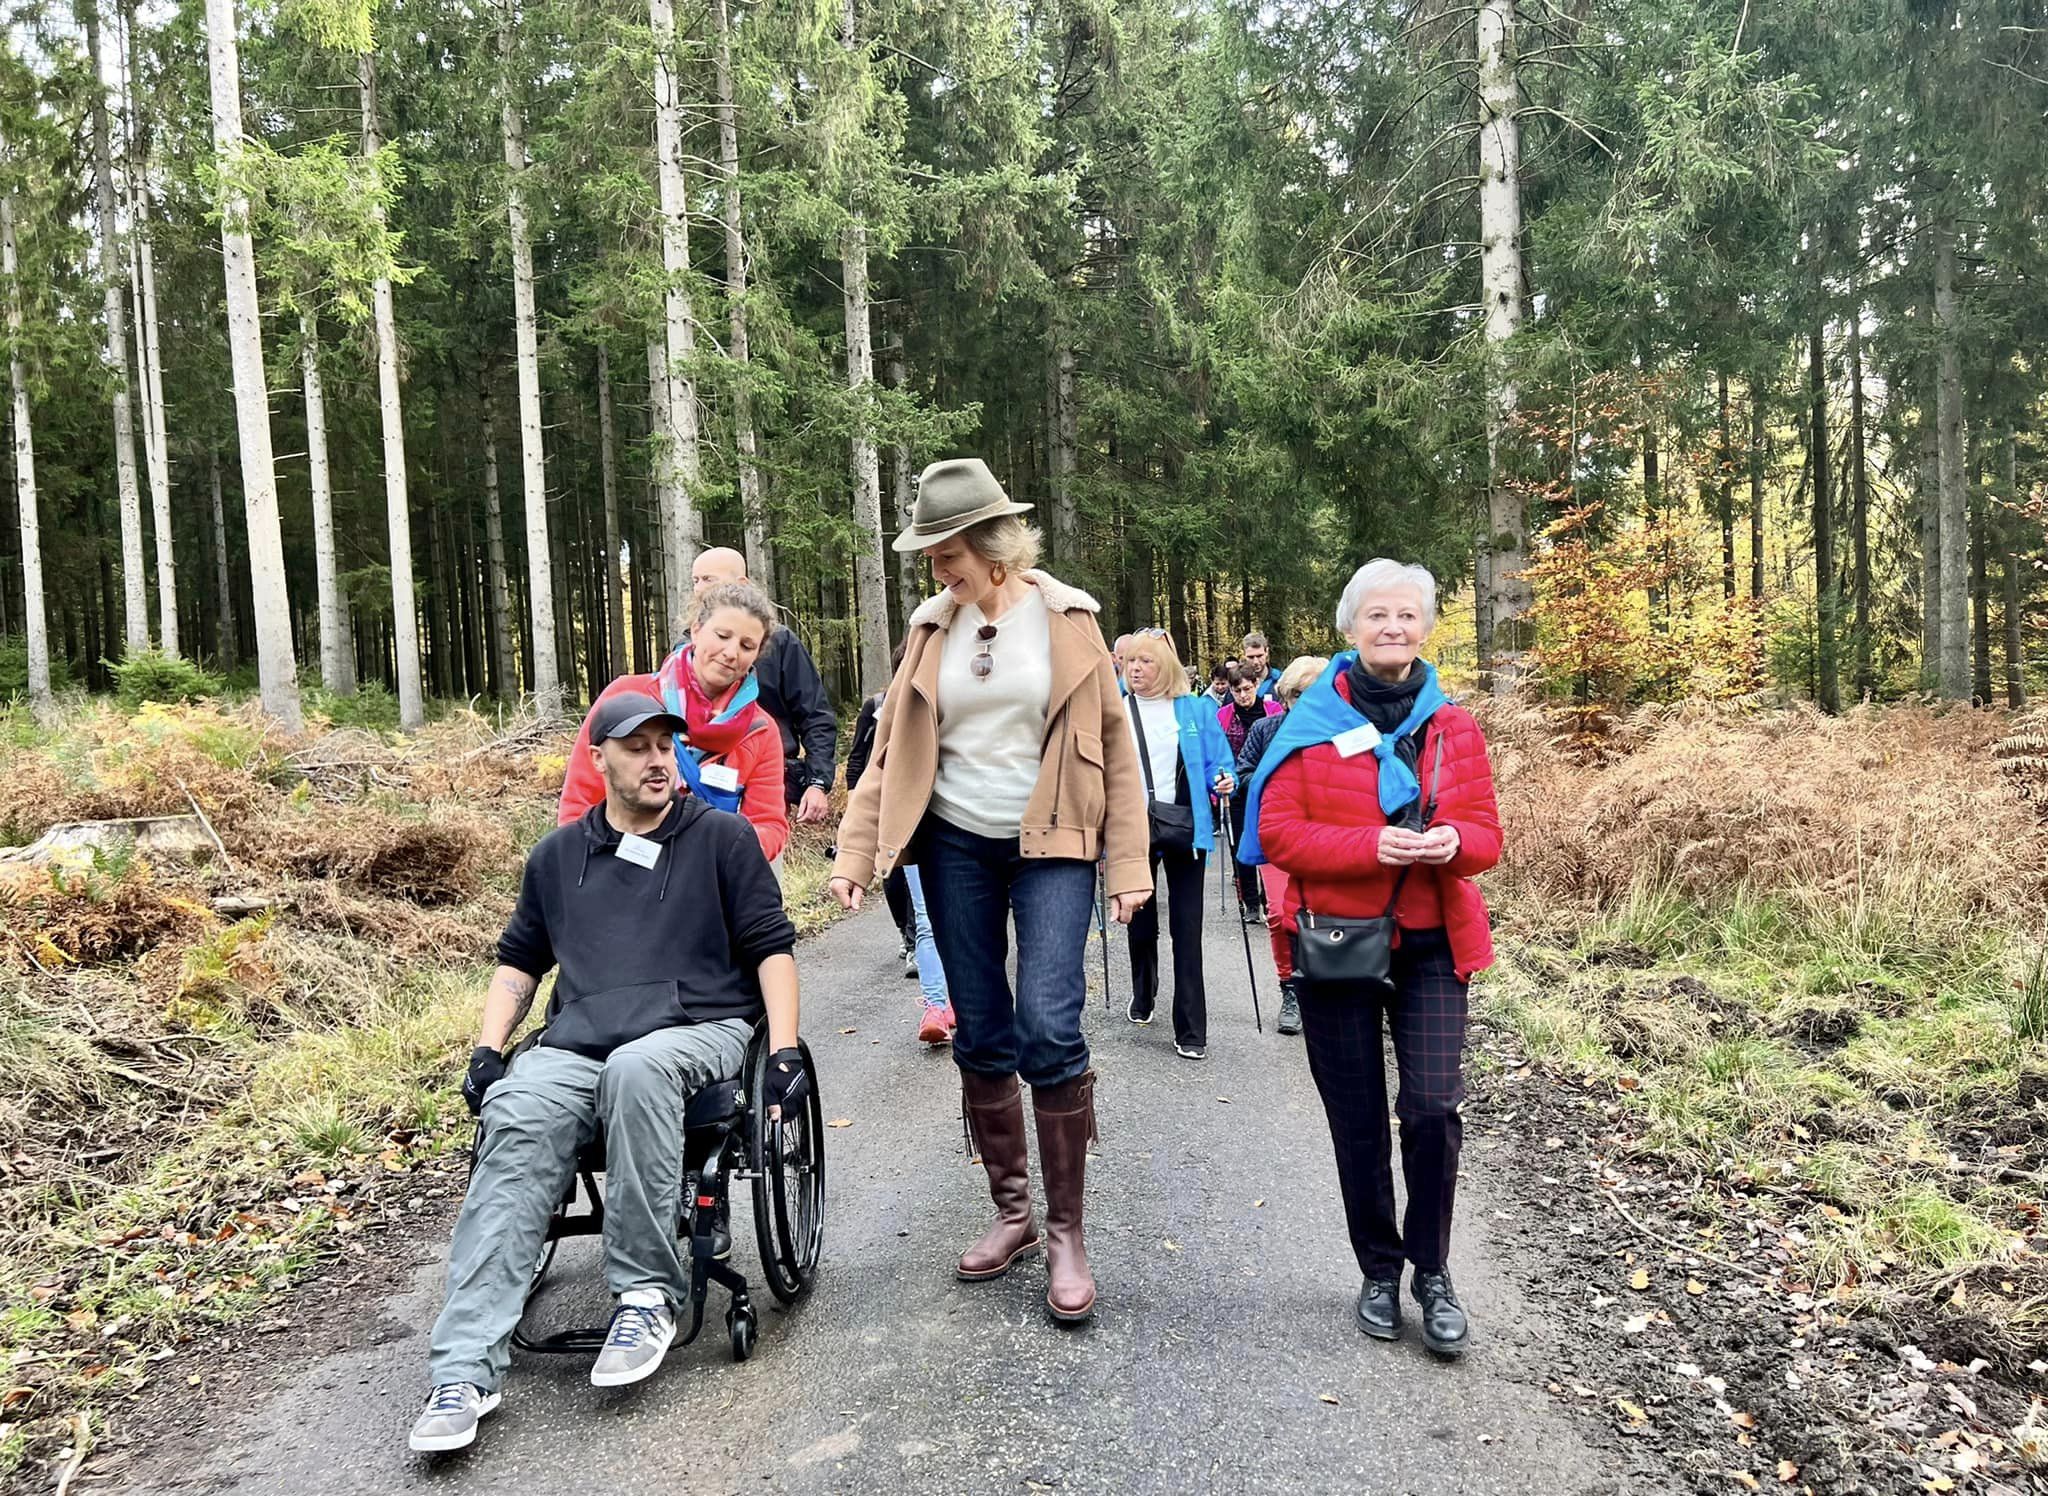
(1819, 1046)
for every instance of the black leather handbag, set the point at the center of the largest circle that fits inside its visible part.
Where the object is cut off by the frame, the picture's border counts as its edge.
(1173, 825)
(1359, 952)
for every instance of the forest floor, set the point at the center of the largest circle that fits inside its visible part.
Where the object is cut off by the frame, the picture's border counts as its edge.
(1758, 1131)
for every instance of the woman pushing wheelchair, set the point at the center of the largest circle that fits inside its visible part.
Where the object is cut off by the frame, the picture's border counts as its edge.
(667, 930)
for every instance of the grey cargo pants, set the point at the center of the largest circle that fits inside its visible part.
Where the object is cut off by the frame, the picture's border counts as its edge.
(548, 1105)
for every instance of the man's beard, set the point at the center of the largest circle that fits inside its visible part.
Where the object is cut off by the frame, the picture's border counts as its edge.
(641, 797)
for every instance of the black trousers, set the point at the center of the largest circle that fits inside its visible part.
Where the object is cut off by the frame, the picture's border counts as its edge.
(896, 890)
(1249, 889)
(1184, 925)
(1342, 1027)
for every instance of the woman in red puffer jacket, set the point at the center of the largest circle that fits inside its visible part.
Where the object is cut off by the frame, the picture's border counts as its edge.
(1376, 798)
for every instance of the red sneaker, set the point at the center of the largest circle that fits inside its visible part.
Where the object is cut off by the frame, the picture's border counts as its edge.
(937, 1026)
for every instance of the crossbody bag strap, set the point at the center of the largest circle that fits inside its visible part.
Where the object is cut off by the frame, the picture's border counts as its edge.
(1144, 750)
(1436, 771)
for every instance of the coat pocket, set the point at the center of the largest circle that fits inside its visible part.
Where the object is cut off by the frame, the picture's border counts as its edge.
(1086, 790)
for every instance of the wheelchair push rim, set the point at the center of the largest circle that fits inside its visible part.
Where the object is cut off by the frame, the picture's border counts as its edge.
(788, 1158)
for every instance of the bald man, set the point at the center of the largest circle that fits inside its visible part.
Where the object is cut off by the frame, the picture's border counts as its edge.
(792, 692)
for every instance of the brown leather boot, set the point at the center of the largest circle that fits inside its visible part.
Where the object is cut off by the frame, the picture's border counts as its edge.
(995, 1121)
(1066, 1125)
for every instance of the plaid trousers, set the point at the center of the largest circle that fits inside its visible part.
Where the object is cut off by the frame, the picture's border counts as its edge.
(1342, 1029)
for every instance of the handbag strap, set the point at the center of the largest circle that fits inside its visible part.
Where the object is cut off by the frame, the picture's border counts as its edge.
(1144, 749)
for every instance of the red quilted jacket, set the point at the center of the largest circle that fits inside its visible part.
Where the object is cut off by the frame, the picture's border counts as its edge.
(1320, 823)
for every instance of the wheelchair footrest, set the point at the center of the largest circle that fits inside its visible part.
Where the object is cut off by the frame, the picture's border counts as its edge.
(564, 1342)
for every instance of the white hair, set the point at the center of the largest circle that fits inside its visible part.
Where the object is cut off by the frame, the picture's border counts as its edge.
(1382, 575)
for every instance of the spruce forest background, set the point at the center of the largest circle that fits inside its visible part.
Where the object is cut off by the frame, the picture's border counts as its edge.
(1694, 346)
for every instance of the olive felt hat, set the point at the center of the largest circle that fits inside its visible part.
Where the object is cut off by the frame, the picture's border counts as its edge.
(951, 496)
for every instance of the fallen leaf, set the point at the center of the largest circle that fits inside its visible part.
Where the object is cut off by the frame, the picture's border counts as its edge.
(1325, 1397)
(1694, 1287)
(1743, 1478)
(840, 1122)
(849, 1031)
(1635, 1324)
(1632, 1411)
(1224, 1099)
(1743, 1420)
(1171, 1245)
(1787, 1471)
(1257, 1203)
(1639, 1279)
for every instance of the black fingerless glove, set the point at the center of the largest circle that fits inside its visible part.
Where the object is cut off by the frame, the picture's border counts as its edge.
(788, 1082)
(486, 1069)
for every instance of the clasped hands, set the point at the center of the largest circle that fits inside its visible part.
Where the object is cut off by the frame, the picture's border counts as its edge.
(1400, 847)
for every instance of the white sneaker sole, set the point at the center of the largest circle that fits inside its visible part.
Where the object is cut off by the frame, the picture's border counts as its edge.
(638, 1374)
(442, 1443)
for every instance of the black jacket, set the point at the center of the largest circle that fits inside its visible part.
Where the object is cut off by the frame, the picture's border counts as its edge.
(863, 744)
(1257, 739)
(794, 695)
(639, 948)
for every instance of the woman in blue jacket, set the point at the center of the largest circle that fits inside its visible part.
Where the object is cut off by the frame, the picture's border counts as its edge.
(1185, 758)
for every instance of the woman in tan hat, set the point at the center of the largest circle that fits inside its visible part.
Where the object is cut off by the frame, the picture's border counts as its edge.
(1003, 771)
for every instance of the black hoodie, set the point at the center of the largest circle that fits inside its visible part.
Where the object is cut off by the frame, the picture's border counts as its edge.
(639, 948)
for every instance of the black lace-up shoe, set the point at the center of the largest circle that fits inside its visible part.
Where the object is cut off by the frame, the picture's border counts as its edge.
(1379, 1308)
(1443, 1317)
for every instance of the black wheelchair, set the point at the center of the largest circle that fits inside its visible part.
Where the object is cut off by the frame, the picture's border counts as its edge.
(728, 1138)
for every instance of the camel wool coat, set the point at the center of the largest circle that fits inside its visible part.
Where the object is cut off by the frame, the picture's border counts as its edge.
(1089, 801)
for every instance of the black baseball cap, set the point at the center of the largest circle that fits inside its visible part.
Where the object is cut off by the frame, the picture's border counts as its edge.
(627, 712)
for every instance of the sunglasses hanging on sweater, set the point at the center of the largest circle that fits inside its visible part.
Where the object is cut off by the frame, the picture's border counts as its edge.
(984, 664)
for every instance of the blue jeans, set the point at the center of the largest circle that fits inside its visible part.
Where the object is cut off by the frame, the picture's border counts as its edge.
(931, 971)
(973, 885)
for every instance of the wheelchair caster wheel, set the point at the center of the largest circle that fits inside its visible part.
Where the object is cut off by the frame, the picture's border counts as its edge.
(742, 1324)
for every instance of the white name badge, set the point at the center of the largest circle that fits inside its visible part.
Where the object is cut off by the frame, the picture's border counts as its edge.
(1361, 739)
(638, 850)
(723, 777)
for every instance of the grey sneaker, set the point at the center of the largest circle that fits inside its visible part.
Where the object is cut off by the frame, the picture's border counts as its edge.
(1191, 1051)
(449, 1419)
(633, 1350)
(909, 960)
(1290, 1008)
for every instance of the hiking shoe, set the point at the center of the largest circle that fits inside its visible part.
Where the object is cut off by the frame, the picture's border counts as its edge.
(937, 1024)
(1290, 1008)
(449, 1419)
(1191, 1051)
(639, 1338)
(1255, 918)
(1443, 1318)
(1137, 1014)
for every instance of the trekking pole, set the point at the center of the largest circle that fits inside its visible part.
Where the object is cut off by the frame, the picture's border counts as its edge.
(1102, 924)
(1244, 930)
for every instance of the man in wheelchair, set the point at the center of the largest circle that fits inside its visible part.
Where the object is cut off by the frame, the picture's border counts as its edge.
(670, 939)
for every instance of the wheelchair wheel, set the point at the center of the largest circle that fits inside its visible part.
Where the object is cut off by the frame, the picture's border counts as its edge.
(789, 1182)
(540, 1268)
(741, 1325)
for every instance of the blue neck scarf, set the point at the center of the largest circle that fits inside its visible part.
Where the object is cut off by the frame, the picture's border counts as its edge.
(1321, 716)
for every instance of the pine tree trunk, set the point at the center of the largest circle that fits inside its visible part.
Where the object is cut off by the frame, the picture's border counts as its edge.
(1500, 235)
(412, 712)
(1653, 509)
(504, 684)
(871, 587)
(547, 681)
(614, 585)
(225, 651)
(37, 625)
(668, 498)
(1980, 583)
(1724, 487)
(1062, 432)
(2010, 562)
(113, 255)
(760, 559)
(1927, 476)
(1757, 440)
(1859, 516)
(337, 654)
(1954, 504)
(907, 593)
(679, 337)
(148, 354)
(1827, 594)
(276, 666)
